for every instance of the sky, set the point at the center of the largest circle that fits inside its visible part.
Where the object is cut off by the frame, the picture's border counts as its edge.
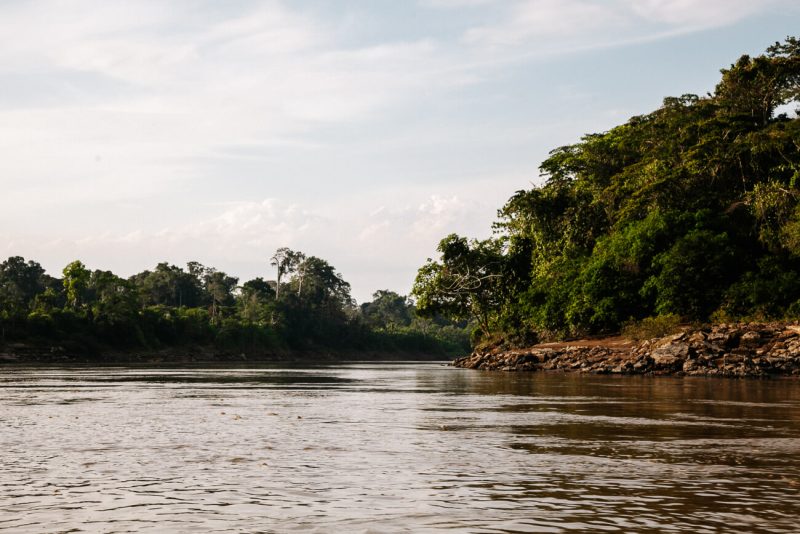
(362, 132)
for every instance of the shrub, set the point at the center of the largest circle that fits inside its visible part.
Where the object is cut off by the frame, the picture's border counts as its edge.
(651, 327)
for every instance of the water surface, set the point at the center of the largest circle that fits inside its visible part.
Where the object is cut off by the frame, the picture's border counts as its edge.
(394, 448)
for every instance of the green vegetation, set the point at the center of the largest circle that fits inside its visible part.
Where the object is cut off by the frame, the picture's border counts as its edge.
(689, 211)
(651, 327)
(309, 309)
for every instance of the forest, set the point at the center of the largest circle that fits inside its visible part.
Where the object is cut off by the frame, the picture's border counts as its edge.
(308, 308)
(690, 212)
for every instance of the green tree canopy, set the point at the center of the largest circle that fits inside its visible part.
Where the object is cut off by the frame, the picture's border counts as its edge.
(388, 310)
(465, 283)
(76, 283)
(690, 210)
(20, 282)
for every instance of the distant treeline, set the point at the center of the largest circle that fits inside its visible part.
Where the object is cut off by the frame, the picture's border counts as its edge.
(691, 211)
(307, 307)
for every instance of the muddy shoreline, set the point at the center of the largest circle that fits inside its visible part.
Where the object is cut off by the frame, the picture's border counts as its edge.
(36, 354)
(751, 350)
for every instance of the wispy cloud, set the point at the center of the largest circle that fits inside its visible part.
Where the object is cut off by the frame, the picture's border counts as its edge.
(178, 90)
(697, 13)
(545, 19)
(551, 25)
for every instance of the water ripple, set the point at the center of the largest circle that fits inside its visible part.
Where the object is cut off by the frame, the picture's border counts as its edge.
(393, 448)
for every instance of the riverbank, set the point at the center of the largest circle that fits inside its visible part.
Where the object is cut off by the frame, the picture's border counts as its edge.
(728, 350)
(27, 353)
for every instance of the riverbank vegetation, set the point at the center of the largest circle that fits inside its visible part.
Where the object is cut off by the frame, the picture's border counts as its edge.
(308, 308)
(691, 211)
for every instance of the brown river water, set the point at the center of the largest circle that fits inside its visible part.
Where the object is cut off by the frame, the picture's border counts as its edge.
(394, 448)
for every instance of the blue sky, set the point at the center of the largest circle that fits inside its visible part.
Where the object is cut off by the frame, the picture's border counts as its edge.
(358, 131)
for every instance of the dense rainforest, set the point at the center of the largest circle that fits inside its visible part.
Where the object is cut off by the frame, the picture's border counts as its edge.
(307, 309)
(691, 211)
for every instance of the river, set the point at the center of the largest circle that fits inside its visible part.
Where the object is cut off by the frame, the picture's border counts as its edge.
(394, 448)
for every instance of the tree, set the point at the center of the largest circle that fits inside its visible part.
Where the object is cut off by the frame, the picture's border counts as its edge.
(20, 282)
(285, 260)
(170, 285)
(324, 287)
(388, 311)
(219, 287)
(693, 274)
(301, 267)
(255, 301)
(113, 299)
(76, 282)
(465, 283)
(752, 88)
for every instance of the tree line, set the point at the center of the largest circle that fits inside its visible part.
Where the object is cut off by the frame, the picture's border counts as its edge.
(307, 307)
(691, 211)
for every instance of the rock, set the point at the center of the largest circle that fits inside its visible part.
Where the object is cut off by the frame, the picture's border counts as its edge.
(750, 339)
(678, 350)
(697, 337)
(724, 340)
(734, 350)
(793, 328)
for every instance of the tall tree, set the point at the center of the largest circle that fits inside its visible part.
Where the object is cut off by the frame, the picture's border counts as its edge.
(285, 260)
(76, 282)
(220, 288)
(323, 285)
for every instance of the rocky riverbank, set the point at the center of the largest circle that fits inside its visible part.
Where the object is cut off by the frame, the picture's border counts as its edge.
(729, 350)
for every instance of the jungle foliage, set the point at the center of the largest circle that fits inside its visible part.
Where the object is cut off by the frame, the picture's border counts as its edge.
(689, 211)
(308, 309)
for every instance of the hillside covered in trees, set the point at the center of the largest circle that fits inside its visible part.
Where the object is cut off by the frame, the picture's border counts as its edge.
(691, 211)
(307, 310)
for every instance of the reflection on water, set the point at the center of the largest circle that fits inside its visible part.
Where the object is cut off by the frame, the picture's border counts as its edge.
(388, 448)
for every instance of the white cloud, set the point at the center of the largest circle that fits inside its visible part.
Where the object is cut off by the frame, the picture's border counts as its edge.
(545, 19)
(565, 25)
(696, 13)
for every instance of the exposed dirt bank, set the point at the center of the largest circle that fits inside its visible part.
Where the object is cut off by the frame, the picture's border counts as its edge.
(731, 350)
